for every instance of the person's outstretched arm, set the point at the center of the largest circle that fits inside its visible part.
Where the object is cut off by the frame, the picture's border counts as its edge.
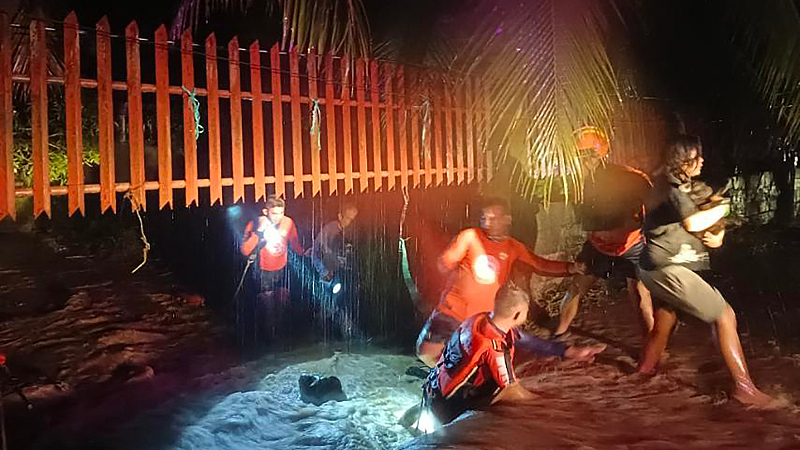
(546, 266)
(540, 346)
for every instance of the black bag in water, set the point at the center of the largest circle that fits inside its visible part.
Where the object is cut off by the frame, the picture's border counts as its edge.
(317, 391)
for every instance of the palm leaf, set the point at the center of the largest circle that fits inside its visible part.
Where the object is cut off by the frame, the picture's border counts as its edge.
(548, 74)
(768, 37)
(324, 26)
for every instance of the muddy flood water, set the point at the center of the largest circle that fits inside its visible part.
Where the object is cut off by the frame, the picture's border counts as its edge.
(109, 361)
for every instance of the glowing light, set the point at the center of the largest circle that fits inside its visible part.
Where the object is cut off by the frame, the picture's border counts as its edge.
(426, 423)
(484, 270)
(234, 211)
(336, 287)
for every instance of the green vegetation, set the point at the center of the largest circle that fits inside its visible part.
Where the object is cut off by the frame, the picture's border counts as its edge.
(23, 144)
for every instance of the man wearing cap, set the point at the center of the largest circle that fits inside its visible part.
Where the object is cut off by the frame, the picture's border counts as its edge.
(612, 212)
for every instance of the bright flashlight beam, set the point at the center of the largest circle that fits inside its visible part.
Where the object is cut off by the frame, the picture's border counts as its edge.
(426, 423)
(336, 288)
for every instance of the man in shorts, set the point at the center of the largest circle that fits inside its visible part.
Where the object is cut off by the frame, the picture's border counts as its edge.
(612, 212)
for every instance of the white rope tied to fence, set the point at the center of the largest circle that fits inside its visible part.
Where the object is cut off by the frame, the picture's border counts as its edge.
(136, 208)
(198, 129)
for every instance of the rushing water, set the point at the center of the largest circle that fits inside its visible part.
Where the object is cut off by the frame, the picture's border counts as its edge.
(273, 416)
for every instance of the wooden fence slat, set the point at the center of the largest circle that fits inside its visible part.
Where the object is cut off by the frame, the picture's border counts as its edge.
(237, 146)
(162, 121)
(488, 157)
(402, 126)
(189, 133)
(7, 204)
(330, 130)
(459, 143)
(297, 122)
(214, 145)
(376, 125)
(135, 120)
(447, 109)
(388, 76)
(362, 125)
(313, 87)
(347, 124)
(258, 122)
(74, 131)
(277, 119)
(39, 129)
(105, 118)
(436, 112)
(469, 130)
(415, 135)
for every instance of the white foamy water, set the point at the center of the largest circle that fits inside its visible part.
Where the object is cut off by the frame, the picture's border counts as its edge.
(273, 416)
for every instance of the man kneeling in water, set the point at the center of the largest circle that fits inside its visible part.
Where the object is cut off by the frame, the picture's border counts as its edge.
(476, 368)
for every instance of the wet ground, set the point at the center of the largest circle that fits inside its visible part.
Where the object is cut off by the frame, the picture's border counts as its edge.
(111, 360)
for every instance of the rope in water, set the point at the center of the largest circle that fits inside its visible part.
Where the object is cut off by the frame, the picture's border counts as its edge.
(198, 129)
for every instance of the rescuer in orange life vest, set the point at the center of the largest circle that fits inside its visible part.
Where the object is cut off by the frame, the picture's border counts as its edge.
(482, 259)
(271, 234)
(476, 368)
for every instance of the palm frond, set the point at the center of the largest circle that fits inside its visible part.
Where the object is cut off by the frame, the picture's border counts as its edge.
(324, 26)
(768, 36)
(547, 74)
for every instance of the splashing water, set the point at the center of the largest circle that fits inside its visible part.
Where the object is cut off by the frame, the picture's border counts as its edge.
(273, 416)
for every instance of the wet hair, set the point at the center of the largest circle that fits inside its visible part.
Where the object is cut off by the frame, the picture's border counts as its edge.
(508, 298)
(274, 202)
(679, 154)
(496, 201)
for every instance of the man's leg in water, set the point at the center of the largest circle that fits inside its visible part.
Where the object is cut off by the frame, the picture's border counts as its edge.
(664, 321)
(640, 297)
(579, 286)
(745, 390)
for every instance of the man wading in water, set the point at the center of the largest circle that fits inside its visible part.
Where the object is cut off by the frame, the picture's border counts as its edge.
(481, 261)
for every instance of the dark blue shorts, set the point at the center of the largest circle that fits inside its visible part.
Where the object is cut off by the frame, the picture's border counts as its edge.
(603, 266)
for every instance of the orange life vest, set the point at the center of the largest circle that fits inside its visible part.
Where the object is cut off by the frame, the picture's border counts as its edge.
(478, 355)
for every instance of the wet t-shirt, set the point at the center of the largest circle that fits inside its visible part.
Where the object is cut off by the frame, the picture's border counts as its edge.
(668, 243)
(482, 265)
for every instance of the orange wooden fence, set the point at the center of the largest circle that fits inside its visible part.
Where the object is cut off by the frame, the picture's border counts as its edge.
(343, 127)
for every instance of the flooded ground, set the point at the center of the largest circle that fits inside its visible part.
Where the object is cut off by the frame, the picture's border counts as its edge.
(114, 361)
